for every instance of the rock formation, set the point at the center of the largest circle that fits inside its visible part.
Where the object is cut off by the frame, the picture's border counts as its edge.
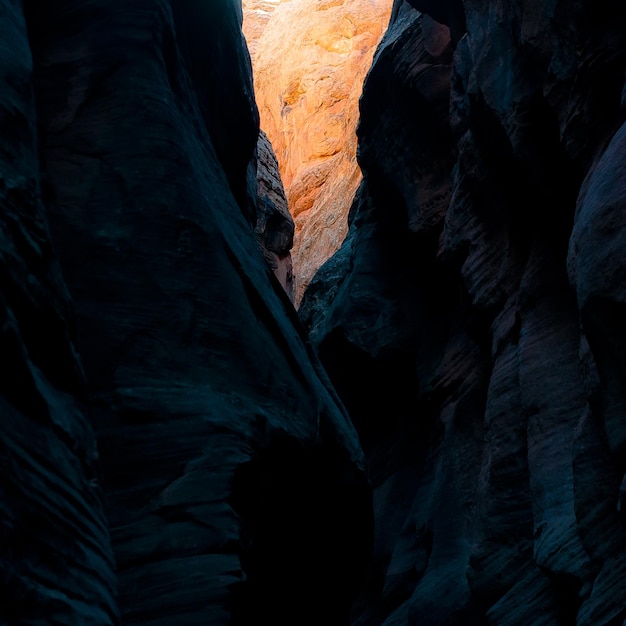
(473, 321)
(56, 564)
(310, 58)
(274, 224)
(256, 15)
(225, 458)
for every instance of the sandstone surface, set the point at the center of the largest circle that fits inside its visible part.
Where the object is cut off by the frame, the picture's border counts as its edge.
(256, 14)
(310, 58)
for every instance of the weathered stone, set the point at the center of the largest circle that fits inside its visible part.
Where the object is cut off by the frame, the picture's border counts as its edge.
(274, 224)
(209, 407)
(490, 395)
(310, 58)
(256, 14)
(56, 564)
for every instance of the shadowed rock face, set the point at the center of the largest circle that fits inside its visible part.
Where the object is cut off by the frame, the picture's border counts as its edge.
(274, 225)
(56, 564)
(473, 321)
(214, 422)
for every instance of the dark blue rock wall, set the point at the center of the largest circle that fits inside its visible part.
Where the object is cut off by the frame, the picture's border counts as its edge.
(473, 321)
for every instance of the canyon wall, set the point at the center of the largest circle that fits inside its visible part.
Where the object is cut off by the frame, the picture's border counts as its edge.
(310, 58)
(474, 319)
(151, 360)
(56, 563)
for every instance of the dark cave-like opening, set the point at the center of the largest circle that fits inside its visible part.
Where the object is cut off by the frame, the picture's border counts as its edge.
(307, 532)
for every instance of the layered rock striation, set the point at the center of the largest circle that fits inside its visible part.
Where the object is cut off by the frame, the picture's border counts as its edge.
(230, 472)
(56, 562)
(310, 59)
(473, 319)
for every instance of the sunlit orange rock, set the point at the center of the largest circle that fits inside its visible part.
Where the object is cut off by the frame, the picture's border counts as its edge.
(310, 58)
(256, 14)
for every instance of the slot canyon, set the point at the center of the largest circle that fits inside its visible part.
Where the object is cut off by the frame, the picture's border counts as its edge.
(259, 366)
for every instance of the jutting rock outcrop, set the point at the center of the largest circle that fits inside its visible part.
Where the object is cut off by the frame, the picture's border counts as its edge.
(274, 225)
(473, 320)
(151, 360)
(310, 58)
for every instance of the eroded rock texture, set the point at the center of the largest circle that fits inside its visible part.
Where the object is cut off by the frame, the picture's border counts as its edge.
(56, 565)
(473, 320)
(231, 472)
(274, 224)
(256, 15)
(310, 58)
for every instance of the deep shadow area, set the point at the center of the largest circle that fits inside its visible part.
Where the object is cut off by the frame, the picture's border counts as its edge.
(307, 533)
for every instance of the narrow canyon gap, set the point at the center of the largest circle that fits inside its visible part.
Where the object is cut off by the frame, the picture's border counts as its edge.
(437, 438)
(309, 59)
